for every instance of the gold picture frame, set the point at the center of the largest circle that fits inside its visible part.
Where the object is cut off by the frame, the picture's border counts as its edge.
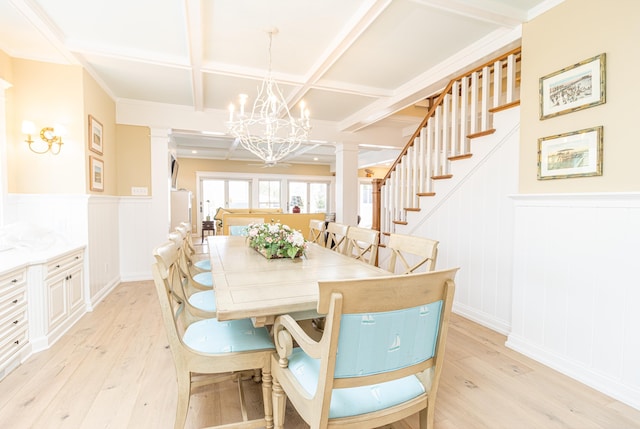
(96, 137)
(574, 154)
(573, 88)
(96, 171)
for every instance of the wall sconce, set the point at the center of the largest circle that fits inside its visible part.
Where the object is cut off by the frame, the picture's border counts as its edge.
(50, 138)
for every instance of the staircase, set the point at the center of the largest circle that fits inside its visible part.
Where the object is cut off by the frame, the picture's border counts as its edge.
(461, 114)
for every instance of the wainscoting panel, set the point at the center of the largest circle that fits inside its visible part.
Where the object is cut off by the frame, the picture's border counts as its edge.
(103, 248)
(576, 289)
(136, 244)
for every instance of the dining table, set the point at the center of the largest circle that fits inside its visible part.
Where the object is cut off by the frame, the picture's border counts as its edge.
(248, 285)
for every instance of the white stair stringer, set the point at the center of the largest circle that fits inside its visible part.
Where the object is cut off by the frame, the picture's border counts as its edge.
(472, 217)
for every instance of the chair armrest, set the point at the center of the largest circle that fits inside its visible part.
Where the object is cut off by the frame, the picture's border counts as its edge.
(285, 331)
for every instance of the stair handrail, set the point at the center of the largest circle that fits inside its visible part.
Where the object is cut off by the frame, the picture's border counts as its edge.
(435, 105)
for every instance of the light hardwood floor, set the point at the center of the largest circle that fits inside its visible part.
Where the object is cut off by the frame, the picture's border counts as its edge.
(114, 370)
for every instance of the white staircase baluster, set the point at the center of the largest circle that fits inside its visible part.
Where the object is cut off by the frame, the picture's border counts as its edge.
(464, 112)
(484, 110)
(473, 112)
(455, 113)
(446, 135)
(511, 78)
(497, 83)
(422, 176)
(429, 152)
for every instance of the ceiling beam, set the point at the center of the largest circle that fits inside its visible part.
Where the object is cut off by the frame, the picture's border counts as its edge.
(480, 10)
(193, 15)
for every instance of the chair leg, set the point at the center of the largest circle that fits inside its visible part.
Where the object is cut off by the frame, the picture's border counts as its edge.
(184, 396)
(426, 417)
(279, 405)
(266, 397)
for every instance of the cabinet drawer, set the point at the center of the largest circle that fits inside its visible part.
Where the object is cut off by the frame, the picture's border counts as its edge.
(11, 280)
(59, 265)
(13, 343)
(11, 324)
(12, 300)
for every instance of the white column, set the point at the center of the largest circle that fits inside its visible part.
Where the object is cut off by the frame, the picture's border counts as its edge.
(160, 222)
(347, 183)
(4, 85)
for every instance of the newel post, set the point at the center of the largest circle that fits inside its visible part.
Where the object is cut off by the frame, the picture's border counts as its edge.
(375, 222)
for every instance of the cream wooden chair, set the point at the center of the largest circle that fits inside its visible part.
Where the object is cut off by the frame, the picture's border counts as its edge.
(379, 359)
(317, 229)
(336, 236)
(238, 225)
(200, 303)
(410, 253)
(362, 244)
(197, 280)
(197, 265)
(206, 347)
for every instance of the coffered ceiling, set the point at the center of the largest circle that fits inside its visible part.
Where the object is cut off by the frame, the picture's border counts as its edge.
(360, 65)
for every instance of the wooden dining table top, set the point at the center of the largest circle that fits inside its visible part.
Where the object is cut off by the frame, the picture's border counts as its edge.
(248, 285)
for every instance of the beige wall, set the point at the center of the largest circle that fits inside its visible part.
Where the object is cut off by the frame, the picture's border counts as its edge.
(100, 105)
(567, 34)
(378, 172)
(46, 94)
(133, 159)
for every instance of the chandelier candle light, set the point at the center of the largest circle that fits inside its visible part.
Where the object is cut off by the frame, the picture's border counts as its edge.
(269, 131)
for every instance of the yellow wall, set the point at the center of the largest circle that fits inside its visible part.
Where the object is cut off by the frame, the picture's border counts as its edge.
(567, 34)
(133, 146)
(378, 172)
(46, 94)
(100, 105)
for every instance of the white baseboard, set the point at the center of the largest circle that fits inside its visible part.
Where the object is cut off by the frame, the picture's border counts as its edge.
(484, 319)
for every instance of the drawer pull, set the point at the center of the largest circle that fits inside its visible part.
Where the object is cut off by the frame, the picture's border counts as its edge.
(16, 342)
(15, 301)
(77, 257)
(15, 322)
(58, 266)
(14, 281)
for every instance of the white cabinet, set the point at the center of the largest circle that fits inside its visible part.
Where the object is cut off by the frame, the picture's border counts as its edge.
(64, 287)
(57, 286)
(14, 332)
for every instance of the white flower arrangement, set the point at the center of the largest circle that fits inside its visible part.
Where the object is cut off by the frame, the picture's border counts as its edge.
(275, 240)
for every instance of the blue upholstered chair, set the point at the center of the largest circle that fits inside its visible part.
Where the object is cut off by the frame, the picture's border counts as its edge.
(199, 303)
(208, 351)
(379, 359)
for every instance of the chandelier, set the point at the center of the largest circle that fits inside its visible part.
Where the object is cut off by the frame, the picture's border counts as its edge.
(269, 131)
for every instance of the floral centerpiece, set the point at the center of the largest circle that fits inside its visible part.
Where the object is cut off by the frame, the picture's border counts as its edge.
(275, 240)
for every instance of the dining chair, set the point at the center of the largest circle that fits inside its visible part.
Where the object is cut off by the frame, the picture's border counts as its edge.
(379, 359)
(196, 281)
(362, 244)
(200, 303)
(317, 229)
(210, 347)
(410, 253)
(239, 225)
(198, 265)
(336, 236)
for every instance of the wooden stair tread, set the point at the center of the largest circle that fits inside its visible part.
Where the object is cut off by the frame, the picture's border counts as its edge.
(459, 157)
(444, 176)
(426, 194)
(400, 222)
(412, 209)
(504, 107)
(481, 134)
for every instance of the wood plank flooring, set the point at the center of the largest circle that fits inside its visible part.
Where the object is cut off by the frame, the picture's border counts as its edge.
(114, 370)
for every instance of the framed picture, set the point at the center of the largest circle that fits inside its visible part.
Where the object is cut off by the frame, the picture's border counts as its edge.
(573, 88)
(95, 135)
(575, 154)
(96, 169)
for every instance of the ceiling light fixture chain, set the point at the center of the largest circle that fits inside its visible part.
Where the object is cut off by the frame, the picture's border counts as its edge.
(269, 131)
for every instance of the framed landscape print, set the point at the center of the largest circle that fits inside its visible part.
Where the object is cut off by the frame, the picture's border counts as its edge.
(574, 154)
(95, 135)
(96, 170)
(573, 88)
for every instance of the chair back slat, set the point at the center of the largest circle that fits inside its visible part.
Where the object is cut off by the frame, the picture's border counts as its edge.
(410, 253)
(336, 236)
(362, 244)
(316, 231)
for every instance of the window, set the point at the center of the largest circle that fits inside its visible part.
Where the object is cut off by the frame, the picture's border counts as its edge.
(314, 196)
(365, 205)
(269, 193)
(224, 193)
